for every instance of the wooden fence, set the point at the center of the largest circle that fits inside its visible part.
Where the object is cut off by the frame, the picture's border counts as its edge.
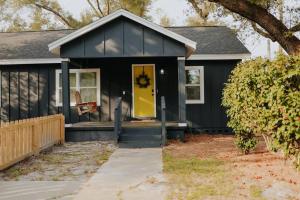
(24, 138)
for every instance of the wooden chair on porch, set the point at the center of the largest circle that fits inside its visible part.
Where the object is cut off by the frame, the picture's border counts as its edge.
(84, 107)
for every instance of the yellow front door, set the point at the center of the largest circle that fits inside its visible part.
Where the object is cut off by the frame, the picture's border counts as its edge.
(143, 91)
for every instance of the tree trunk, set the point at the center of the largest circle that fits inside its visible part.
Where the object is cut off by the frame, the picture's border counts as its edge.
(275, 28)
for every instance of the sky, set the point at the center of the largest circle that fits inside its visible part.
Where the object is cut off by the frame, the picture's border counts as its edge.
(177, 12)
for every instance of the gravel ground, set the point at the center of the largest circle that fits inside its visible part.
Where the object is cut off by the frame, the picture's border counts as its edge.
(70, 162)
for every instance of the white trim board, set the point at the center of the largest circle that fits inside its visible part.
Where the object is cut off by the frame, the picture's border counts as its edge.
(32, 61)
(55, 46)
(219, 56)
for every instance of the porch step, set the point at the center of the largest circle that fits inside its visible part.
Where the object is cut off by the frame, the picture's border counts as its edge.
(141, 130)
(140, 137)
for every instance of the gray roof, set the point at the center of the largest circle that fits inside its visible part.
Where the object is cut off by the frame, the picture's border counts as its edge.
(212, 39)
(26, 45)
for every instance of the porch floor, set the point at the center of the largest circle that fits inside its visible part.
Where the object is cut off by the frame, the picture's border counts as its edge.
(89, 131)
(125, 124)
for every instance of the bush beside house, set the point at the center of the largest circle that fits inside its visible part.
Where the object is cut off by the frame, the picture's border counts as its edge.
(262, 97)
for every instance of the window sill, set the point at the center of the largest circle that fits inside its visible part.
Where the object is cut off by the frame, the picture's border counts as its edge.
(73, 105)
(194, 102)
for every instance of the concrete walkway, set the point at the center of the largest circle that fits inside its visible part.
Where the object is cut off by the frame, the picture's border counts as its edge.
(38, 190)
(130, 174)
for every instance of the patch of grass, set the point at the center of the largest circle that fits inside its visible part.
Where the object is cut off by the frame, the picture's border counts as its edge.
(101, 157)
(256, 192)
(202, 191)
(16, 171)
(56, 178)
(191, 165)
(53, 159)
(193, 178)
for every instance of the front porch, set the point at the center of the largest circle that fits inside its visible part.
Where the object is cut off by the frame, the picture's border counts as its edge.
(116, 78)
(132, 130)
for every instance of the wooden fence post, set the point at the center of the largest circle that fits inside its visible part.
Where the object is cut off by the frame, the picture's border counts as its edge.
(62, 129)
(35, 137)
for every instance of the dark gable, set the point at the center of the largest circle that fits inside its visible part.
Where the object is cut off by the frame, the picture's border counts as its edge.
(122, 38)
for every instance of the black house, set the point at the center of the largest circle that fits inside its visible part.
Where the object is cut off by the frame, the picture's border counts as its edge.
(120, 55)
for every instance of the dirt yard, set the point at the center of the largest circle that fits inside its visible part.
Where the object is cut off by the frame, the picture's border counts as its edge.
(71, 162)
(211, 167)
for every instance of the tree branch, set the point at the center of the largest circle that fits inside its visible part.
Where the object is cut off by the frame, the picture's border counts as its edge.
(108, 6)
(93, 8)
(196, 7)
(261, 32)
(295, 28)
(99, 8)
(57, 14)
(265, 20)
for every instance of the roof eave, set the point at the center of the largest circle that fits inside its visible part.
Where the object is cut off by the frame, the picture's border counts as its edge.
(28, 61)
(232, 56)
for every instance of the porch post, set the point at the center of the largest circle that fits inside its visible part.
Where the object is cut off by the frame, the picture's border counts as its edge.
(65, 90)
(181, 89)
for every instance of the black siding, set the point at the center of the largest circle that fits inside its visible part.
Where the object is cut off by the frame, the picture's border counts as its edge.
(211, 116)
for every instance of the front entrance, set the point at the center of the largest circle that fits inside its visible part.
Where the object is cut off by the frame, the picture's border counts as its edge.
(144, 95)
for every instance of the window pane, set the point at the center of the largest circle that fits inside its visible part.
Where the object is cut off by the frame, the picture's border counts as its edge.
(72, 79)
(88, 94)
(193, 92)
(59, 81)
(192, 76)
(60, 95)
(88, 79)
(72, 95)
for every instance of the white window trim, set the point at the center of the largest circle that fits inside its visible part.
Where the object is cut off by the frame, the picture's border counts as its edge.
(78, 71)
(202, 97)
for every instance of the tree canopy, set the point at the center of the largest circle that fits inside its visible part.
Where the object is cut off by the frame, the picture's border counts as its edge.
(44, 13)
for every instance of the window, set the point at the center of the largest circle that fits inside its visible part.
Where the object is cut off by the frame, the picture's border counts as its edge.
(86, 81)
(194, 84)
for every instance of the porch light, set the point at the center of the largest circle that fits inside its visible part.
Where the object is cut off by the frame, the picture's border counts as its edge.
(162, 71)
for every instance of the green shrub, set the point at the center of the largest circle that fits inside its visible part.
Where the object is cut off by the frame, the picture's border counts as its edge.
(263, 97)
(245, 142)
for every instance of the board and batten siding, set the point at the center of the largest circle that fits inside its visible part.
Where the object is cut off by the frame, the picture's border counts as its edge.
(122, 38)
(211, 115)
(26, 92)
